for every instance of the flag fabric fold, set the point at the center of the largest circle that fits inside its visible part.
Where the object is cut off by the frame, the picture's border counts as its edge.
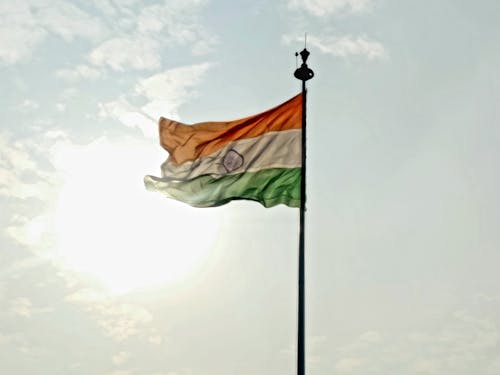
(255, 158)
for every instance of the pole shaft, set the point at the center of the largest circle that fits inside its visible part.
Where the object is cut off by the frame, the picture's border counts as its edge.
(303, 73)
(301, 295)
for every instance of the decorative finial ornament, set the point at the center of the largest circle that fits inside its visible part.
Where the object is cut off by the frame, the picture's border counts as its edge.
(303, 73)
(304, 54)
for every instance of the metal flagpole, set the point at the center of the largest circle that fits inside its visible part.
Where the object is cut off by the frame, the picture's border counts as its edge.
(303, 73)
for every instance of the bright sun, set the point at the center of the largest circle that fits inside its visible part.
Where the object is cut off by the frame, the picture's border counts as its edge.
(110, 228)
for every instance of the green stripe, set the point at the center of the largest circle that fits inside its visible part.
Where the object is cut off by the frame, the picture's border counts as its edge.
(270, 187)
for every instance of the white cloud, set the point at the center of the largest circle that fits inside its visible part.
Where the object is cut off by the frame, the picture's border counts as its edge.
(84, 295)
(371, 337)
(20, 31)
(464, 343)
(20, 172)
(28, 104)
(119, 320)
(79, 72)
(120, 358)
(150, 30)
(346, 365)
(64, 19)
(321, 8)
(24, 25)
(487, 297)
(121, 53)
(68, 94)
(135, 41)
(156, 339)
(30, 231)
(204, 45)
(176, 22)
(16, 341)
(17, 42)
(21, 306)
(27, 172)
(129, 115)
(345, 46)
(165, 92)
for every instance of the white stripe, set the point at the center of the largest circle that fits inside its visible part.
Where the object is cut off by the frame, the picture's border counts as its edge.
(280, 149)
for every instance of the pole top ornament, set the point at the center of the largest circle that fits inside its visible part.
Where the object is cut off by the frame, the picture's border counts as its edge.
(303, 73)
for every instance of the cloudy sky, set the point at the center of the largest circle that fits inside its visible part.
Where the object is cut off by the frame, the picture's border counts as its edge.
(98, 276)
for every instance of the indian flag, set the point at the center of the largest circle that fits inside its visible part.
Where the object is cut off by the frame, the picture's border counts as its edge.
(256, 158)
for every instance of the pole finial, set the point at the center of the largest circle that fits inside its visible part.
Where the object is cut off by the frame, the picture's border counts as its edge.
(303, 73)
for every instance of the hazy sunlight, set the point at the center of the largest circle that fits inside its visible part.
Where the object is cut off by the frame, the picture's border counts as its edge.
(111, 228)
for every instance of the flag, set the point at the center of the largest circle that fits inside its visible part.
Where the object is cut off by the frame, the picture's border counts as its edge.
(256, 158)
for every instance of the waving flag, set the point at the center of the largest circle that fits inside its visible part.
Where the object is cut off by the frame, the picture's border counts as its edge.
(256, 158)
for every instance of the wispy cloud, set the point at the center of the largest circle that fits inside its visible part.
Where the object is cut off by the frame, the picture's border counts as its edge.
(25, 24)
(121, 372)
(371, 337)
(135, 41)
(168, 90)
(347, 365)
(154, 28)
(164, 93)
(28, 180)
(129, 115)
(121, 53)
(463, 344)
(20, 31)
(321, 8)
(119, 320)
(21, 173)
(21, 306)
(30, 231)
(340, 45)
(67, 20)
(81, 71)
(28, 104)
(345, 46)
(120, 358)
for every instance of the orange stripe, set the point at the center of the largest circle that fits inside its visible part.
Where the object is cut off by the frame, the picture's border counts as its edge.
(189, 142)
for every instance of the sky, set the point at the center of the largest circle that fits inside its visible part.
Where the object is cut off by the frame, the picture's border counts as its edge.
(99, 276)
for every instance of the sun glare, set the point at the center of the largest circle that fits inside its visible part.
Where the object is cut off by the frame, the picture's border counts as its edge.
(110, 228)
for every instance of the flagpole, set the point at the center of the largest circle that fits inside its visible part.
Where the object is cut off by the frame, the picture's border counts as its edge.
(303, 73)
